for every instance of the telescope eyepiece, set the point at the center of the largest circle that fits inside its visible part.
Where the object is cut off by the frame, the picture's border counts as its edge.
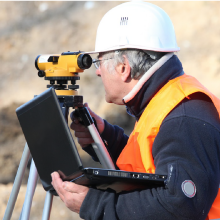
(41, 73)
(84, 61)
(36, 64)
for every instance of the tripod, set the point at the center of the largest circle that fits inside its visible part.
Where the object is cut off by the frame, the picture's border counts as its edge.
(98, 146)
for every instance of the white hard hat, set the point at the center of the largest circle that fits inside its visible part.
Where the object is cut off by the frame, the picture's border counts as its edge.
(139, 25)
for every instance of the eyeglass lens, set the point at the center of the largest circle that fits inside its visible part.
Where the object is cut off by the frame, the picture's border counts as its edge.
(97, 64)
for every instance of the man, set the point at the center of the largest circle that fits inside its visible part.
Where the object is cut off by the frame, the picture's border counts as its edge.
(177, 128)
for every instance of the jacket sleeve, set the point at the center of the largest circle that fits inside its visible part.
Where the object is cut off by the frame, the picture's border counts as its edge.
(184, 149)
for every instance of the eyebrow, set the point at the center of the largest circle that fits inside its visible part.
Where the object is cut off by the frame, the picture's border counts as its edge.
(100, 55)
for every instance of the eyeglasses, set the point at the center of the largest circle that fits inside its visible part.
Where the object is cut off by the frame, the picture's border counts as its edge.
(97, 62)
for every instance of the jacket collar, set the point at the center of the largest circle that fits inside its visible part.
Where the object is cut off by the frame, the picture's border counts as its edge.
(137, 100)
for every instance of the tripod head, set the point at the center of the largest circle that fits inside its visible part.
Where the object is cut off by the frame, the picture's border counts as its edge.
(60, 69)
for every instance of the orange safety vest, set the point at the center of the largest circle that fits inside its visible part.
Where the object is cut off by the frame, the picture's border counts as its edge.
(137, 154)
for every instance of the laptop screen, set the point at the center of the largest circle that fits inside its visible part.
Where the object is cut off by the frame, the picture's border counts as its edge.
(48, 137)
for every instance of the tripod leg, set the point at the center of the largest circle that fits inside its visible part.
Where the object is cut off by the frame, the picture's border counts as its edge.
(17, 183)
(100, 149)
(47, 206)
(31, 186)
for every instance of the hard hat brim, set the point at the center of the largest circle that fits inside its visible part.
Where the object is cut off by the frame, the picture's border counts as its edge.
(134, 47)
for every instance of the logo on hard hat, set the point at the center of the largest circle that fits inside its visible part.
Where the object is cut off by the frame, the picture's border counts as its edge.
(124, 21)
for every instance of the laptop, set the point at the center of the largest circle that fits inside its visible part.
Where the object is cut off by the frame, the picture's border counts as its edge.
(53, 149)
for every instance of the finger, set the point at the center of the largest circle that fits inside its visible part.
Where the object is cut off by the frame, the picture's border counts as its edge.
(90, 111)
(84, 134)
(84, 142)
(78, 127)
(74, 117)
(86, 104)
(74, 188)
(58, 184)
(99, 120)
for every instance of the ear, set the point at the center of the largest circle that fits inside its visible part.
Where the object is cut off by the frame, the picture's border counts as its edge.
(124, 70)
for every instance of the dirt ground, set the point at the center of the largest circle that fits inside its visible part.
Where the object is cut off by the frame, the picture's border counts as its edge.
(28, 29)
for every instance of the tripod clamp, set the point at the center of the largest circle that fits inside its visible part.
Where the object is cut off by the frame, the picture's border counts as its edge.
(98, 145)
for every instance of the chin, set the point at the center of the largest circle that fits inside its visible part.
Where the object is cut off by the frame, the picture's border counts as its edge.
(108, 101)
(114, 101)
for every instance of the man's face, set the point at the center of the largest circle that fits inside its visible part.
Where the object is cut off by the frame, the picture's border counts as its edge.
(112, 83)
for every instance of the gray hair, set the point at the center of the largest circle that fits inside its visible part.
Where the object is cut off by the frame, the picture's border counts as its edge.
(139, 60)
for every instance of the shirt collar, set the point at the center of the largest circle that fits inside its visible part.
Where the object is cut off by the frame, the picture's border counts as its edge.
(170, 69)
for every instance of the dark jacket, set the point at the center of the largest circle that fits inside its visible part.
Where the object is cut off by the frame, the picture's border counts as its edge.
(186, 148)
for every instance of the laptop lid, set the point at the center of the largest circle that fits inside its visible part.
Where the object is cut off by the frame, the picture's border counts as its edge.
(48, 137)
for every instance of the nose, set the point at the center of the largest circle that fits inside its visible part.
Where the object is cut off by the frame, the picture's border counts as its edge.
(98, 72)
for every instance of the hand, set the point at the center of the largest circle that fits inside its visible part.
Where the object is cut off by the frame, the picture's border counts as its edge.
(82, 133)
(71, 194)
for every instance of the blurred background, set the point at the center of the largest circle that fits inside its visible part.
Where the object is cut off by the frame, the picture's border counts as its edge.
(30, 28)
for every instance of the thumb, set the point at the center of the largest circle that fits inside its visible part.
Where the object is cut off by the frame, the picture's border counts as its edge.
(86, 105)
(69, 186)
(99, 120)
(90, 111)
(73, 188)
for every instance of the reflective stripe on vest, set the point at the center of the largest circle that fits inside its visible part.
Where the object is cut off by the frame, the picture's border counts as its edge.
(137, 154)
